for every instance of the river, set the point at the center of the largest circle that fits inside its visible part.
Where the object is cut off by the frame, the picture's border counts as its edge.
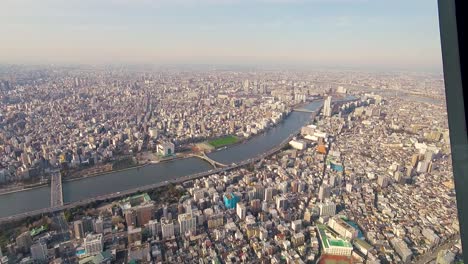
(39, 198)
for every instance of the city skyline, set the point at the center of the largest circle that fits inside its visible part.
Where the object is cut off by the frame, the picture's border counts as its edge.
(338, 33)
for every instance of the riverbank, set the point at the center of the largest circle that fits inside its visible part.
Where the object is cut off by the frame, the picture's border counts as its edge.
(179, 169)
(104, 173)
(25, 188)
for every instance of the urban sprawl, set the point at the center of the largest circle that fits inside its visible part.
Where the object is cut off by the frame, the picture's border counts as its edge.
(367, 180)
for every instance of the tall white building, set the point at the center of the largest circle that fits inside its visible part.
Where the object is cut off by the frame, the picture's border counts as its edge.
(268, 194)
(327, 107)
(187, 223)
(93, 244)
(241, 210)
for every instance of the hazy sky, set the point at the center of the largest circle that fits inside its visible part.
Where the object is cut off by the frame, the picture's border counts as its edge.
(368, 33)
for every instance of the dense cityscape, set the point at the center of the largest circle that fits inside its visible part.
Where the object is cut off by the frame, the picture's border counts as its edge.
(367, 179)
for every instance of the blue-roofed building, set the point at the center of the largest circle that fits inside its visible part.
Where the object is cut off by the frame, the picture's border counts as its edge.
(336, 167)
(230, 200)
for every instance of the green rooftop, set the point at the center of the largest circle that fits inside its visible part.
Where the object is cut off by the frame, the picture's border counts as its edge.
(132, 199)
(37, 231)
(329, 241)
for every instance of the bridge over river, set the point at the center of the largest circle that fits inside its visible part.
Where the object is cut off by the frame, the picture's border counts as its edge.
(122, 183)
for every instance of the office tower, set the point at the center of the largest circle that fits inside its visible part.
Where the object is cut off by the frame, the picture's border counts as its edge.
(327, 107)
(93, 244)
(167, 228)
(39, 252)
(241, 210)
(79, 231)
(187, 223)
(24, 242)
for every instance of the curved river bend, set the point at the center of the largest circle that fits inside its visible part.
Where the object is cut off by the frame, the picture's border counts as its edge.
(24, 201)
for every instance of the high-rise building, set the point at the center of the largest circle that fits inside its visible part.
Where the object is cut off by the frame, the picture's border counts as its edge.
(268, 194)
(241, 210)
(327, 107)
(24, 242)
(281, 202)
(98, 226)
(39, 252)
(93, 244)
(246, 85)
(144, 213)
(324, 192)
(259, 191)
(187, 223)
(167, 228)
(78, 228)
(155, 227)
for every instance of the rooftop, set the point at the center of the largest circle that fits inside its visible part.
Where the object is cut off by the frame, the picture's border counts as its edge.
(328, 240)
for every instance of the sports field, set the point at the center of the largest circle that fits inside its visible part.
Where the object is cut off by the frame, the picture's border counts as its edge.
(224, 141)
